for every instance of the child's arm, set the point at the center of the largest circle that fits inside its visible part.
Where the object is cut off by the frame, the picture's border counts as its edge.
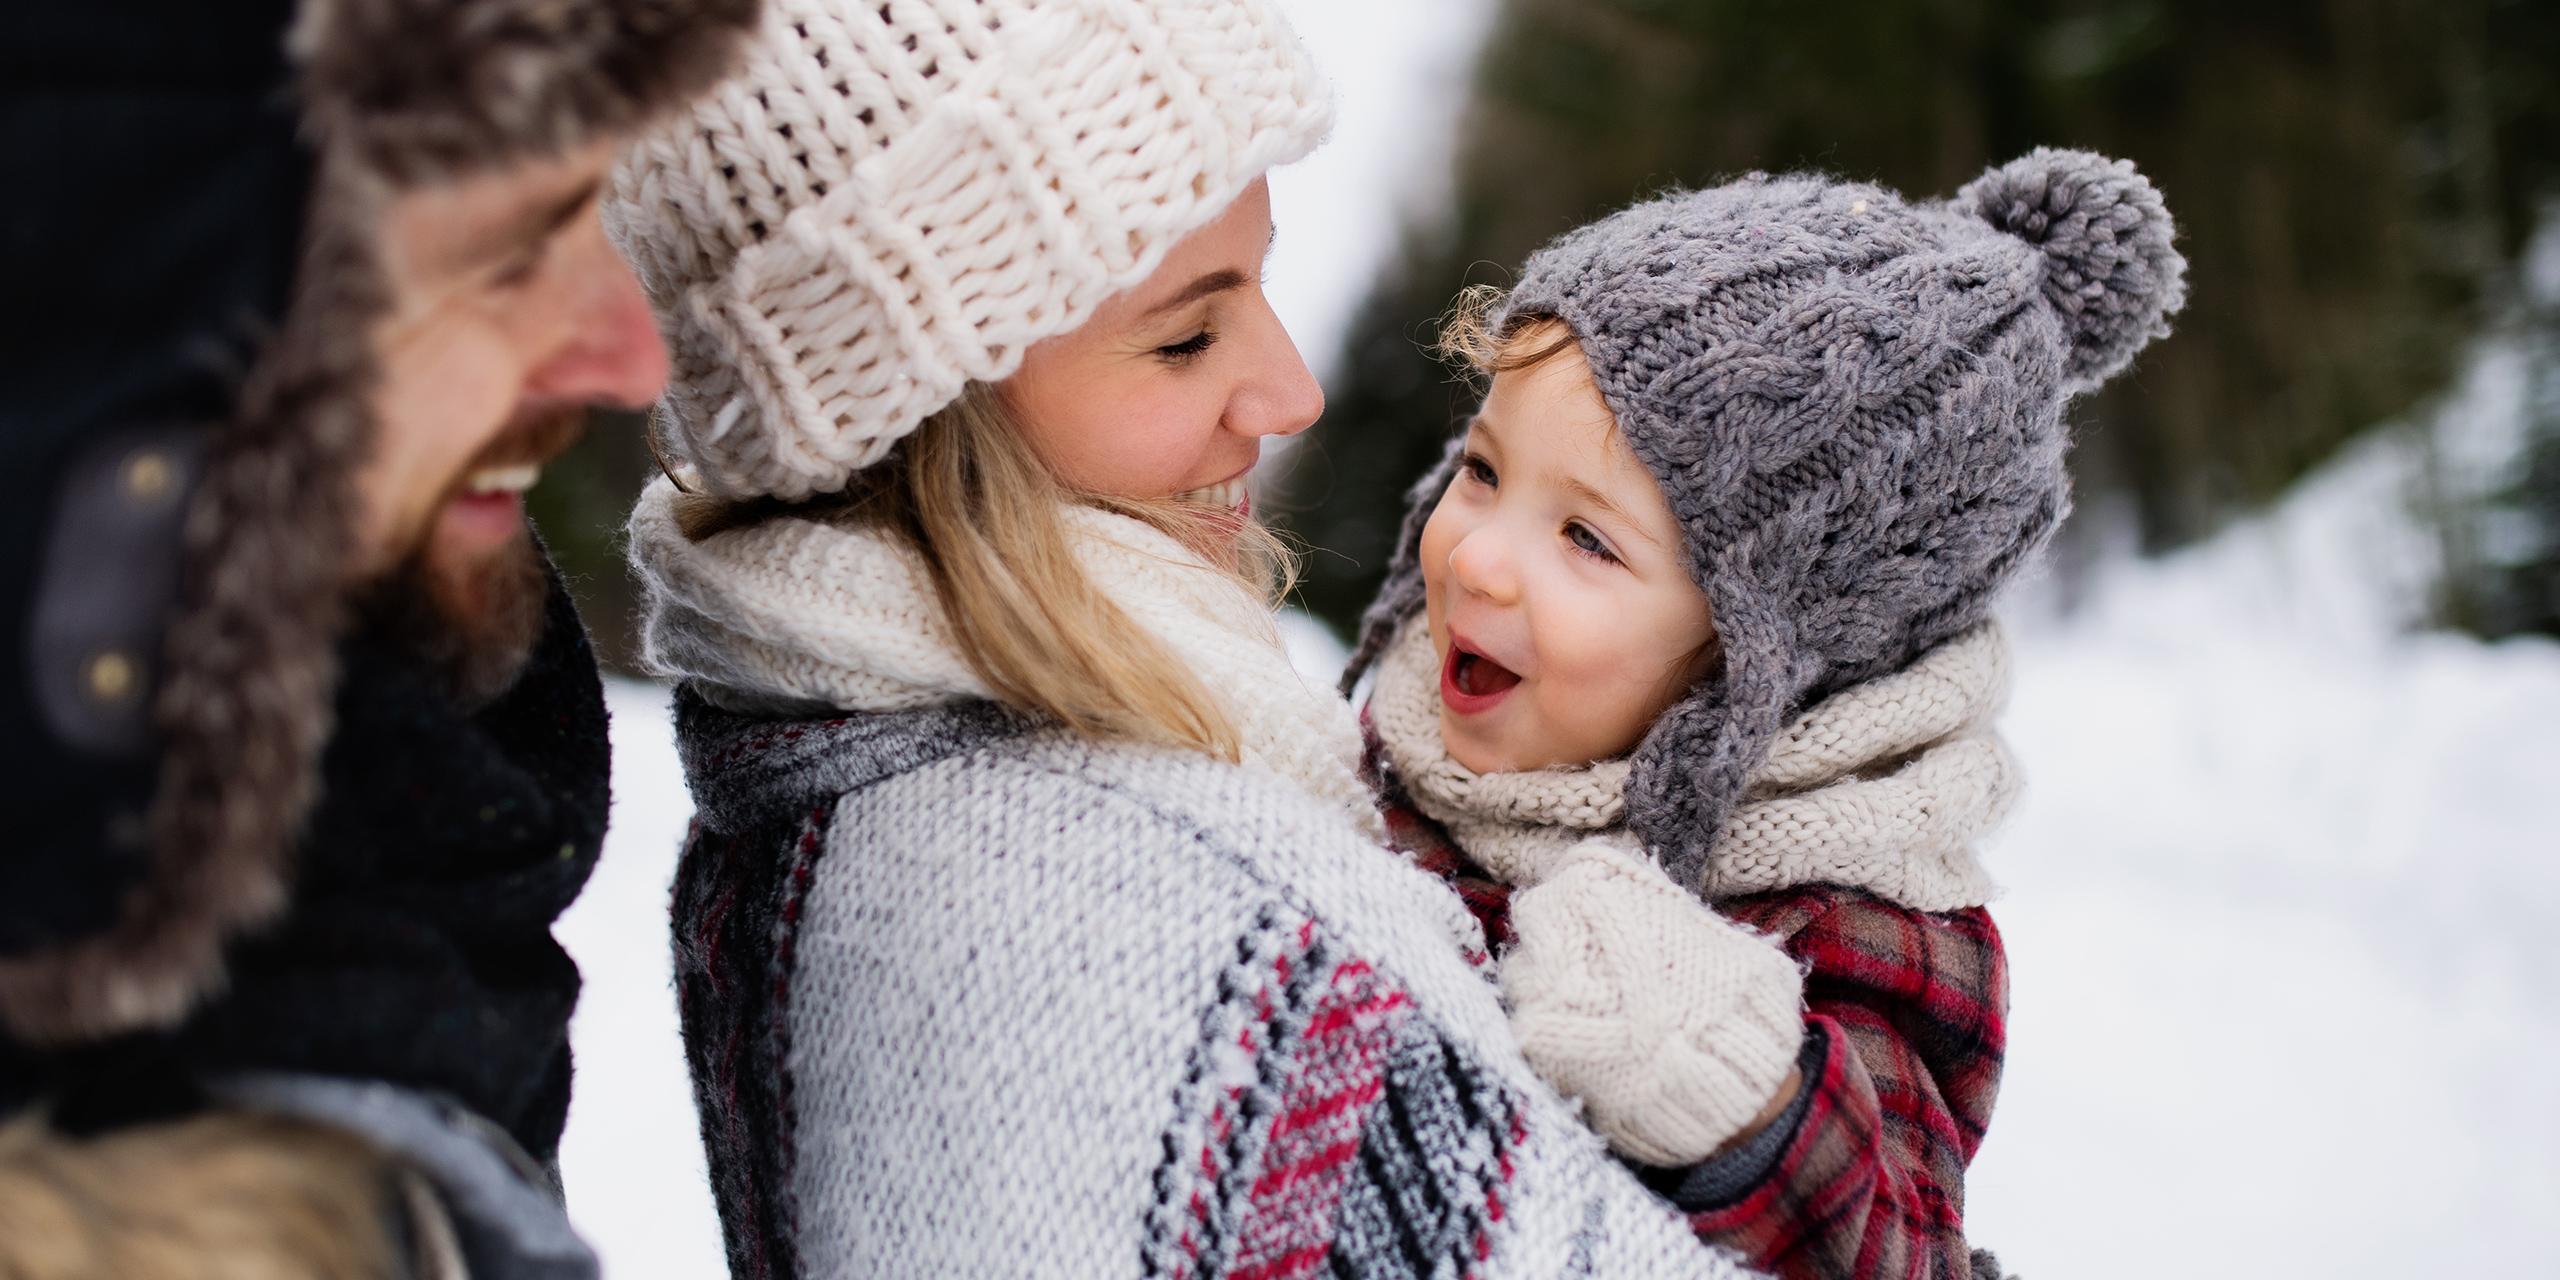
(1863, 1174)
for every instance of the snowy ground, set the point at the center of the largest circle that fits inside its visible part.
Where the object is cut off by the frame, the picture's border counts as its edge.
(2278, 900)
(2285, 996)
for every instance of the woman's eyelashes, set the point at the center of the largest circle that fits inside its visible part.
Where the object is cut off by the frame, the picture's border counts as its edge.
(1189, 349)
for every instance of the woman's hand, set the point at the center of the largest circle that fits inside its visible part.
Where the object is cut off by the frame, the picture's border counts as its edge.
(1676, 1028)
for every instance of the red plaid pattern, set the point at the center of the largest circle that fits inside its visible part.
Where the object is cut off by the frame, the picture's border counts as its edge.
(1912, 1011)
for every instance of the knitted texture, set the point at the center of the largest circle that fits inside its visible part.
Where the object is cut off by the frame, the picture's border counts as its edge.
(1854, 407)
(894, 200)
(964, 994)
(1905, 1036)
(416, 949)
(802, 612)
(1673, 1026)
(1885, 786)
(965, 997)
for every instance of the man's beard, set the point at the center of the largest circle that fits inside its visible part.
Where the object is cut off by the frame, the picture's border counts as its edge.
(474, 624)
(473, 620)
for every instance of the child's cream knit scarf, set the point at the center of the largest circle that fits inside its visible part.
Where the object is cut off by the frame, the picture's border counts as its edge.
(1884, 786)
(800, 612)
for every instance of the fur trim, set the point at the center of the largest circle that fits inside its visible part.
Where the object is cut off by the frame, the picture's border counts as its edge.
(397, 92)
(421, 89)
(248, 661)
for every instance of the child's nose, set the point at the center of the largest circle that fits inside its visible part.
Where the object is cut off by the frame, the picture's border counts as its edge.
(1482, 566)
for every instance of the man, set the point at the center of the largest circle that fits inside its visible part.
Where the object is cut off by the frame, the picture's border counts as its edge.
(306, 746)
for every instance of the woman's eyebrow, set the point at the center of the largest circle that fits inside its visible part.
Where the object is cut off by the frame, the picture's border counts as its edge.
(1215, 282)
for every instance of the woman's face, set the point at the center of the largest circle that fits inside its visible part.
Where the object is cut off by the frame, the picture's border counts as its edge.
(1170, 387)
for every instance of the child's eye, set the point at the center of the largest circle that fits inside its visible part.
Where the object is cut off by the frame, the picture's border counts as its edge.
(1585, 542)
(1474, 467)
(1187, 350)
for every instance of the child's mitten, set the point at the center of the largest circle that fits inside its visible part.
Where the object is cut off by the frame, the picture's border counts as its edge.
(1674, 1026)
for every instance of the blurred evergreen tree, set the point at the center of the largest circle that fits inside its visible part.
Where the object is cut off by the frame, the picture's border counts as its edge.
(2353, 179)
(2509, 582)
(580, 507)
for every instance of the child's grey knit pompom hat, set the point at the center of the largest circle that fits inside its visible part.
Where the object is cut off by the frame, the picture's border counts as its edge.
(1854, 405)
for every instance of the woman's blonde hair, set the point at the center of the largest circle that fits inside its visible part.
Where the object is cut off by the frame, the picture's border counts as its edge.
(967, 491)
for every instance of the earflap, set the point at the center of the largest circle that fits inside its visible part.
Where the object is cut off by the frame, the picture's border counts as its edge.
(1688, 775)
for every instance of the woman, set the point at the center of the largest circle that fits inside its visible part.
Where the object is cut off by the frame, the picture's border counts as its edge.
(1033, 921)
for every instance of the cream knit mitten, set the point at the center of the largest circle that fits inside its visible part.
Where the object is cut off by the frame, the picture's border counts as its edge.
(1674, 1026)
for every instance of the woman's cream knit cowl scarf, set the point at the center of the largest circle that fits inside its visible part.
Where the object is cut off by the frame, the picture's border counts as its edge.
(798, 613)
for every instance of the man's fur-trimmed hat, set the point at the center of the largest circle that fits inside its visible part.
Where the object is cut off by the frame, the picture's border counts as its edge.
(201, 449)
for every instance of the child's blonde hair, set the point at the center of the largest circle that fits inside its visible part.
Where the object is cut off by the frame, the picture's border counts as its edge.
(971, 496)
(1469, 335)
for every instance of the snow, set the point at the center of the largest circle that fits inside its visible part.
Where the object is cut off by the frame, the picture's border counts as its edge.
(631, 1158)
(2276, 899)
(2283, 997)
(1399, 72)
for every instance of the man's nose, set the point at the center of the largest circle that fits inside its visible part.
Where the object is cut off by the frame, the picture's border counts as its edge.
(612, 355)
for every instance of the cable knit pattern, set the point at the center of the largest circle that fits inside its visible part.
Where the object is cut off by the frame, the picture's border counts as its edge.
(964, 994)
(1884, 786)
(821, 613)
(892, 200)
(1673, 1025)
(1853, 403)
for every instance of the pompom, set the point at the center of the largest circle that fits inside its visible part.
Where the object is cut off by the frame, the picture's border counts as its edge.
(2112, 270)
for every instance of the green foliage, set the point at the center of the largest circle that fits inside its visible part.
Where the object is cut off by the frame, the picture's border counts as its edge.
(2505, 577)
(579, 507)
(2353, 180)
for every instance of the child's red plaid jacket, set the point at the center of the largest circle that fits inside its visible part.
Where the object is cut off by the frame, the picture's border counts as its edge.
(1863, 1175)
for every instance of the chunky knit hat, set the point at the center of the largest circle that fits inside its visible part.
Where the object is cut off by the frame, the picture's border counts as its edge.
(896, 199)
(1854, 406)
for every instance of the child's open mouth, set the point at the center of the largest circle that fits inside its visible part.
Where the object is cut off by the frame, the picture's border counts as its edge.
(1471, 682)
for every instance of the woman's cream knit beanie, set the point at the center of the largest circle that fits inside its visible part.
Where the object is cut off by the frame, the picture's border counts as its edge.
(894, 199)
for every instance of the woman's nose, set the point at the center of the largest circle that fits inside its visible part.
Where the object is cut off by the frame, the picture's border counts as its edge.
(1282, 397)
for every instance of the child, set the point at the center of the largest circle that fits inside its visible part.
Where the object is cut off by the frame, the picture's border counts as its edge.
(1699, 608)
